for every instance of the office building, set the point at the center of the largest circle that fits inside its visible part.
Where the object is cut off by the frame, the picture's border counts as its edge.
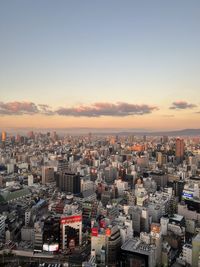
(47, 174)
(179, 152)
(187, 254)
(136, 213)
(62, 165)
(135, 252)
(69, 182)
(195, 251)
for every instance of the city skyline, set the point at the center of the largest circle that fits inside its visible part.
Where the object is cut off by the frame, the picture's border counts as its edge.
(102, 65)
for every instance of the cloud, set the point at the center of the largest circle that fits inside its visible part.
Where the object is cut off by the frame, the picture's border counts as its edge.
(18, 108)
(119, 109)
(45, 109)
(182, 105)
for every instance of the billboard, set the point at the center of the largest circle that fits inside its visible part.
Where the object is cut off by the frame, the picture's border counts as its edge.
(51, 247)
(108, 232)
(94, 231)
(71, 219)
(187, 195)
(102, 224)
(72, 236)
(155, 228)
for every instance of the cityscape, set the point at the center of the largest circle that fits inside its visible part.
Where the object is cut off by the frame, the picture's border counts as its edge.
(99, 133)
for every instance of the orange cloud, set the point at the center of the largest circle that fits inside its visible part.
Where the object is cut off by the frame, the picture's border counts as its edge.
(119, 109)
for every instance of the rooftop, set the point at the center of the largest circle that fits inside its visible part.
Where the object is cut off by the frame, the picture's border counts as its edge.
(9, 196)
(136, 245)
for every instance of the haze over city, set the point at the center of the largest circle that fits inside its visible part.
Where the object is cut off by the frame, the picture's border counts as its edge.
(101, 64)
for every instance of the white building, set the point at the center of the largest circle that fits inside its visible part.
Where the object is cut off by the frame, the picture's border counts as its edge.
(30, 180)
(121, 186)
(187, 253)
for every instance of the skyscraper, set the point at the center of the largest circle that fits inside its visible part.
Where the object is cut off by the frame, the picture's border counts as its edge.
(3, 136)
(179, 150)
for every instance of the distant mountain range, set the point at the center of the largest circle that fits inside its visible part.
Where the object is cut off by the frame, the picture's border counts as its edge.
(184, 132)
(104, 131)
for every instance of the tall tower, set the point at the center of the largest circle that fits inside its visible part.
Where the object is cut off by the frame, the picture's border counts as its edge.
(179, 150)
(3, 136)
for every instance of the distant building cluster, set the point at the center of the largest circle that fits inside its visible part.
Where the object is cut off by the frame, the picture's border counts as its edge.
(99, 200)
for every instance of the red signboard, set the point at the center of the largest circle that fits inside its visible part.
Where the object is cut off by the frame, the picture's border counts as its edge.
(102, 224)
(94, 231)
(108, 232)
(71, 219)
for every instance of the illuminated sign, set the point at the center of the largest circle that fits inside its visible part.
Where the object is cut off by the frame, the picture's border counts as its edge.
(71, 219)
(102, 224)
(187, 195)
(94, 231)
(72, 244)
(108, 232)
(155, 228)
(45, 247)
(51, 248)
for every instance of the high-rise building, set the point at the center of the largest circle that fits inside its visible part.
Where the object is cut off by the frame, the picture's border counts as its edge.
(47, 174)
(179, 150)
(136, 214)
(3, 136)
(113, 244)
(69, 182)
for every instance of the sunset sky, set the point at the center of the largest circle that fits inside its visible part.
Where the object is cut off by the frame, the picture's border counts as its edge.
(108, 63)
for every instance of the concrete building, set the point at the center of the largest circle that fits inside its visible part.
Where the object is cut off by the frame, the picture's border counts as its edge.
(136, 213)
(47, 174)
(187, 254)
(30, 180)
(28, 234)
(38, 237)
(195, 250)
(2, 226)
(138, 253)
(69, 182)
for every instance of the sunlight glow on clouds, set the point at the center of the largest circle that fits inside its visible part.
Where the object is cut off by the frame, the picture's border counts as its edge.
(94, 110)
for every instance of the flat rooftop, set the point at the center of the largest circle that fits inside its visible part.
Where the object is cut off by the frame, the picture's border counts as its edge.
(137, 246)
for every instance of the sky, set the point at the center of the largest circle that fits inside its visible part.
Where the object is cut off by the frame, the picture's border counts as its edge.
(102, 64)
